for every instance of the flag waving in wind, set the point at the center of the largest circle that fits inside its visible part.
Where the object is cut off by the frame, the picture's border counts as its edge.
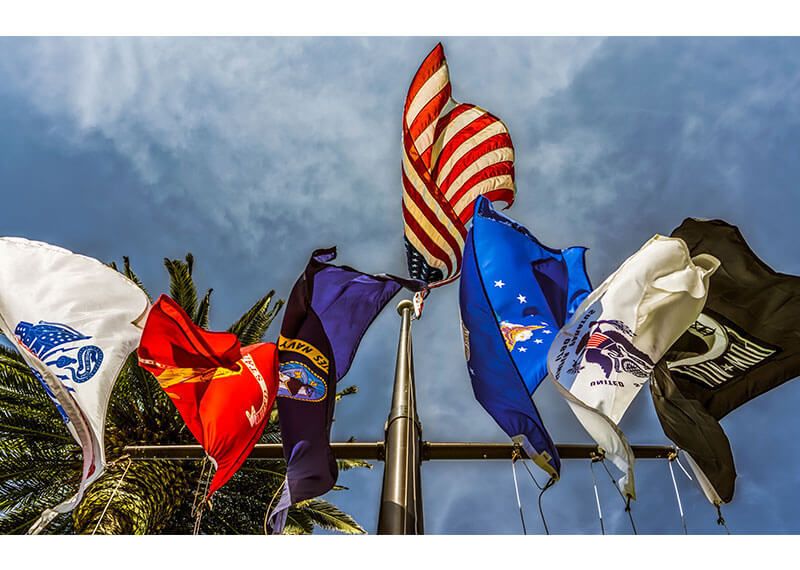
(744, 343)
(223, 392)
(75, 321)
(452, 153)
(328, 311)
(607, 350)
(515, 296)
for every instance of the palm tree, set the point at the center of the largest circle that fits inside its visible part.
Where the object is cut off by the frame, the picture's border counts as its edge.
(40, 463)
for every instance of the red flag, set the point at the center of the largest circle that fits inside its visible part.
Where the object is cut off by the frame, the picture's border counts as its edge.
(452, 153)
(223, 392)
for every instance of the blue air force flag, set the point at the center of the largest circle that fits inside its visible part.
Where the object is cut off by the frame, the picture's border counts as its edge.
(75, 321)
(605, 353)
(515, 294)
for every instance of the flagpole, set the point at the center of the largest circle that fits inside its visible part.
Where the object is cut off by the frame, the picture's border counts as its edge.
(401, 496)
(419, 453)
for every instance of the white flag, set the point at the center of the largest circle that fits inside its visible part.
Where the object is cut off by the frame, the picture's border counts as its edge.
(75, 321)
(609, 347)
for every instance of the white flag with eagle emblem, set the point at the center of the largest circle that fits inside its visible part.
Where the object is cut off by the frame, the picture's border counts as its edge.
(74, 321)
(607, 350)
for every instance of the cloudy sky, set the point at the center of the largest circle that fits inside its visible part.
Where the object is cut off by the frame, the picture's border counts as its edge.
(250, 153)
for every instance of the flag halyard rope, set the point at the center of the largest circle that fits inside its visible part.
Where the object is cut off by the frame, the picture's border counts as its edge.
(514, 458)
(198, 518)
(685, 472)
(720, 519)
(672, 457)
(596, 495)
(198, 512)
(626, 500)
(547, 485)
(272, 500)
(542, 489)
(114, 492)
(199, 482)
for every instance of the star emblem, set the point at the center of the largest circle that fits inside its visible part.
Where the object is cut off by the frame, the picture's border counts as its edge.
(499, 284)
(538, 341)
(523, 349)
(547, 332)
(521, 298)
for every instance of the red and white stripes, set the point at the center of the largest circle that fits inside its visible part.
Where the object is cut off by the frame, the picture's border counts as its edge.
(452, 153)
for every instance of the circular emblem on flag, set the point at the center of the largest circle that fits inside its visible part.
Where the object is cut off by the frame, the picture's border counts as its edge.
(716, 352)
(297, 382)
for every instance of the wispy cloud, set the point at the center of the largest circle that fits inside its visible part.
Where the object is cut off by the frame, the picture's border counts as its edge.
(275, 136)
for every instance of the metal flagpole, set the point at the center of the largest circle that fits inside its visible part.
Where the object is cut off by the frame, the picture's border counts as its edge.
(401, 496)
(419, 453)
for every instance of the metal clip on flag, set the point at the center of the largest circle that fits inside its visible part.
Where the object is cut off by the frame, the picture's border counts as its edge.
(452, 153)
(75, 321)
(608, 348)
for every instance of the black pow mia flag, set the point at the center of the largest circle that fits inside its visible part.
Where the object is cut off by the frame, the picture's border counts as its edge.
(745, 342)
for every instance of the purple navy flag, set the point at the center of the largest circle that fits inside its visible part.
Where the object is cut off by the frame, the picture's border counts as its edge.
(515, 295)
(328, 311)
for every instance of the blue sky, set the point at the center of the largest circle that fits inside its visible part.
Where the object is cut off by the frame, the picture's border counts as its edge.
(250, 153)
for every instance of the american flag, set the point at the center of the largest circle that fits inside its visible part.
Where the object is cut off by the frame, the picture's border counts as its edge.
(452, 153)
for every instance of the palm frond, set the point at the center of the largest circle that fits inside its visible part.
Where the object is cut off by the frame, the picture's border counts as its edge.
(12, 362)
(181, 286)
(201, 317)
(128, 272)
(250, 328)
(140, 412)
(270, 437)
(189, 262)
(346, 392)
(329, 517)
(298, 521)
(347, 464)
(17, 521)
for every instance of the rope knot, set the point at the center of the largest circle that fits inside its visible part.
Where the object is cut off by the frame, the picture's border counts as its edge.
(720, 520)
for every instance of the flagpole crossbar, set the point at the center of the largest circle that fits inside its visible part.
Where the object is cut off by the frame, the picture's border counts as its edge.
(431, 450)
